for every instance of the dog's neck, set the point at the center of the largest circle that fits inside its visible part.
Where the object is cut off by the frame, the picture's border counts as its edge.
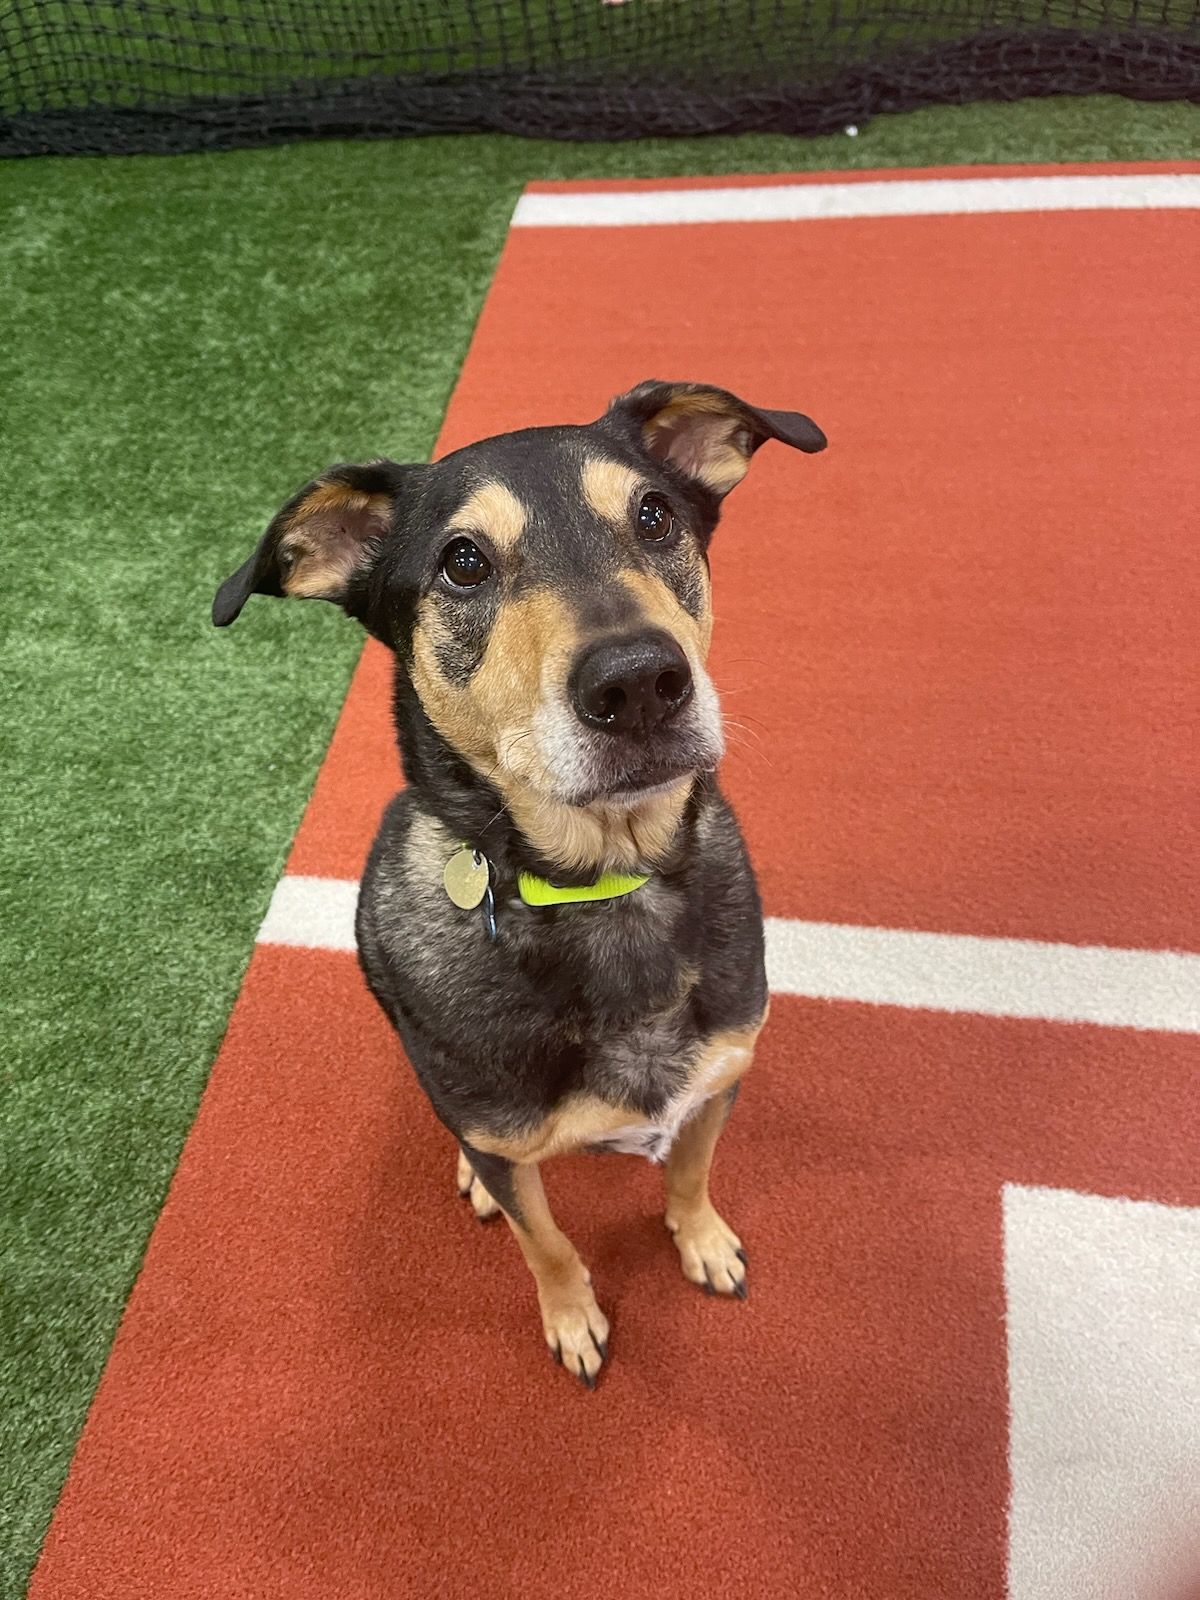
(522, 831)
(589, 840)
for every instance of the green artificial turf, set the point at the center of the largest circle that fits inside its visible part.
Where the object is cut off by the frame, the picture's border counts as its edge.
(183, 341)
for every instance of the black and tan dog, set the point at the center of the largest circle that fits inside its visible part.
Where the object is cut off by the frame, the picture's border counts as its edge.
(558, 914)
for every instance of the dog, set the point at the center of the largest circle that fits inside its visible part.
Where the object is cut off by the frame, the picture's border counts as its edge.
(558, 913)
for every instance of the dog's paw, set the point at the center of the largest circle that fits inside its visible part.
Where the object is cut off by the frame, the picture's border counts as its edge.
(710, 1253)
(470, 1188)
(576, 1329)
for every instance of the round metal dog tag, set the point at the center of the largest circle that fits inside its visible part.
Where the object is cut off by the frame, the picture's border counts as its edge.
(466, 878)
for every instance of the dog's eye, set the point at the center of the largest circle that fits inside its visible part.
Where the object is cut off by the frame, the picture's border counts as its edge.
(655, 521)
(464, 564)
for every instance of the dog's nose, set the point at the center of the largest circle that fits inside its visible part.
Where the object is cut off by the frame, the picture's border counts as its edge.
(631, 685)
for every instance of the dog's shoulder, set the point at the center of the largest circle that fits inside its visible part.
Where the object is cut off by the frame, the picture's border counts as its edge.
(733, 988)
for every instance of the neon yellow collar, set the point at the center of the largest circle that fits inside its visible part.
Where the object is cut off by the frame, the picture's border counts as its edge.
(537, 891)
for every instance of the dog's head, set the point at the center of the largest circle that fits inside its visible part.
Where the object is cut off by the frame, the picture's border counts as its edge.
(546, 591)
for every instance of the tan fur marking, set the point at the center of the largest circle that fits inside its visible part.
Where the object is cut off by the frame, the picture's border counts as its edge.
(326, 535)
(735, 1047)
(584, 1120)
(608, 838)
(609, 488)
(662, 608)
(580, 1121)
(573, 1325)
(699, 434)
(493, 509)
(710, 1253)
(701, 403)
(318, 575)
(337, 497)
(531, 645)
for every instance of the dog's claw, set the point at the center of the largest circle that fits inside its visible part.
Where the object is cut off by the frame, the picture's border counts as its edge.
(741, 1290)
(557, 1354)
(601, 1346)
(742, 1256)
(587, 1379)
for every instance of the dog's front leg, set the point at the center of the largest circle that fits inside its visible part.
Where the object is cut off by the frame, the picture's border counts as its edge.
(576, 1329)
(710, 1252)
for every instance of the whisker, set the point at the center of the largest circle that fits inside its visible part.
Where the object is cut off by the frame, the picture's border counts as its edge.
(751, 748)
(745, 717)
(515, 740)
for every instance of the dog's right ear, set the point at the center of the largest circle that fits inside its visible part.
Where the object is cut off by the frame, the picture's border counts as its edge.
(321, 541)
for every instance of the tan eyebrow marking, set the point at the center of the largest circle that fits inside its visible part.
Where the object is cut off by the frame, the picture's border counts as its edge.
(495, 510)
(609, 488)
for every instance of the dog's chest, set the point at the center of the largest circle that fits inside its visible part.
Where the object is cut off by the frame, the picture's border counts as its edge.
(653, 1136)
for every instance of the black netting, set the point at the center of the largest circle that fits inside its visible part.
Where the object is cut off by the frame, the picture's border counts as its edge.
(148, 75)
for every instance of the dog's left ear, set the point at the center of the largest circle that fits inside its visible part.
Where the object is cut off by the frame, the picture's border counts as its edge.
(321, 542)
(706, 433)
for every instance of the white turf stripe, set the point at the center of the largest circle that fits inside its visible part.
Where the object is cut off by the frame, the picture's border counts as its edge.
(1104, 1392)
(998, 977)
(1158, 989)
(903, 197)
(317, 913)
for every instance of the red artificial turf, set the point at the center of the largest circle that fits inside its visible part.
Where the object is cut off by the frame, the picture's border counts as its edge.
(964, 644)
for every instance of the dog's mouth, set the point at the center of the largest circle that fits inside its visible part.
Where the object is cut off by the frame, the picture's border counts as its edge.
(632, 789)
(627, 772)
